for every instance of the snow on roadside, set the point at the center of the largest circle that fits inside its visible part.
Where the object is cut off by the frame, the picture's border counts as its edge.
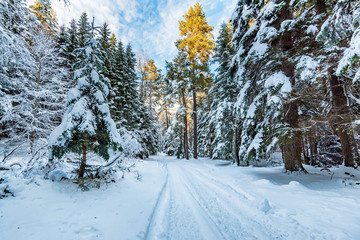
(61, 210)
(322, 203)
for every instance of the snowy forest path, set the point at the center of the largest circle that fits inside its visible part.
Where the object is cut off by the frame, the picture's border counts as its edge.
(193, 204)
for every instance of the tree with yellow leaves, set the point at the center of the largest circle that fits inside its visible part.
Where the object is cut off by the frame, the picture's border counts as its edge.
(45, 15)
(198, 44)
(152, 73)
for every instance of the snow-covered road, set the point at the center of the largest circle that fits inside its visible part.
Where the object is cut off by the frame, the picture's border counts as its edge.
(195, 205)
(196, 199)
(206, 200)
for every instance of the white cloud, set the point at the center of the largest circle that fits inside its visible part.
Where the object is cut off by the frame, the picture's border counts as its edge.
(147, 24)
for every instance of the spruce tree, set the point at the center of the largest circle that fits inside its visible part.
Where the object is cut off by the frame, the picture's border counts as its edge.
(224, 92)
(16, 65)
(87, 124)
(83, 29)
(72, 43)
(104, 40)
(50, 84)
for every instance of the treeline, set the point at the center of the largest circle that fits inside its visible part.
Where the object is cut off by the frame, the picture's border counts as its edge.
(42, 66)
(287, 80)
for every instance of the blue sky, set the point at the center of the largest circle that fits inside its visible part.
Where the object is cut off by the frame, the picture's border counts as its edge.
(151, 25)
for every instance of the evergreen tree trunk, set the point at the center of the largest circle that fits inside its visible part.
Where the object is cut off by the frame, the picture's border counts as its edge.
(235, 150)
(305, 151)
(83, 161)
(292, 146)
(210, 135)
(167, 118)
(186, 142)
(180, 145)
(313, 145)
(342, 120)
(195, 124)
(150, 95)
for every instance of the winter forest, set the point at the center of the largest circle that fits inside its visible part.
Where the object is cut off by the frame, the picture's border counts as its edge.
(249, 131)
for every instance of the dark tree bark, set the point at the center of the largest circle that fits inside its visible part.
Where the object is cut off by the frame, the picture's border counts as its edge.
(320, 6)
(292, 144)
(195, 124)
(235, 150)
(186, 142)
(342, 119)
(313, 145)
(83, 161)
(167, 118)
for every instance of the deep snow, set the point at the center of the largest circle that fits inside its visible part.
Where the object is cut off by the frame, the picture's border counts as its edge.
(196, 199)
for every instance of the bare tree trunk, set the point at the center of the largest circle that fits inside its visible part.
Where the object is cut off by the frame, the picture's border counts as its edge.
(195, 124)
(186, 142)
(342, 119)
(83, 161)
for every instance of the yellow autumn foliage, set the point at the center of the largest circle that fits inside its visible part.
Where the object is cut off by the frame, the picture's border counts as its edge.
(198, 41)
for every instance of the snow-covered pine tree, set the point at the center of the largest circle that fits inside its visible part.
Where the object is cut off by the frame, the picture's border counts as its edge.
(16, 65)
(172, 139)
(45, 14)
(62, 39)
(148, 130)
(164, 100)
(339, 33)
(118, 91)
(50, 86)
(83, 29)
(72, 43)
(205, 128)
(87, 124)
(265, 37)
(104, 40)
(246, 72)
(177, 73)
(224, 92)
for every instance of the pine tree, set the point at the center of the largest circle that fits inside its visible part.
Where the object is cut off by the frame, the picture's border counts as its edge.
(50, 84)
(341, 29)
(152, 76)
(16, 65)
(45, 15)
(87, 124)
(72, 43)
(83, 29)
(266, 107)
(118, 91)
(177, 73)
(197, 43)
(104, 40)
(224, 93)
(146, 124)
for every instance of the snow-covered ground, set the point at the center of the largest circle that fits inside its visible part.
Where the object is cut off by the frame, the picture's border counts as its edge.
(196, 199)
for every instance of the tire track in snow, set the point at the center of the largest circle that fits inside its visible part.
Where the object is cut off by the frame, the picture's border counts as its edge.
(275, 225)
(177, 214)
(193, 204)
(233, 213)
